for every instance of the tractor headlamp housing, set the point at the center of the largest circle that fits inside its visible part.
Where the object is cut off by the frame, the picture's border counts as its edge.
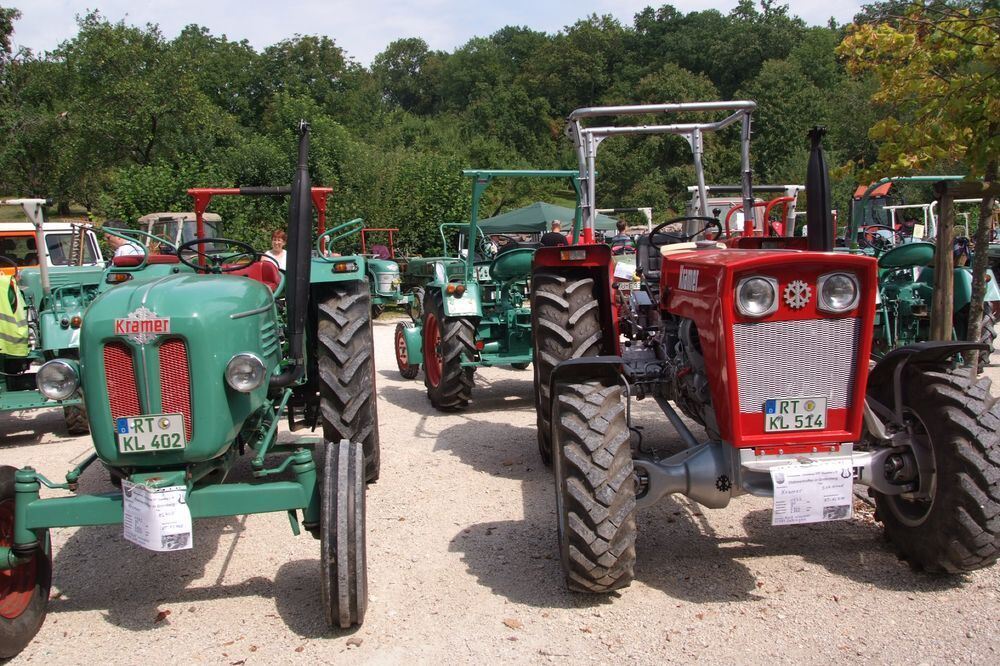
(245, 372)
(57, 379)
(757, 296)
(838, 292)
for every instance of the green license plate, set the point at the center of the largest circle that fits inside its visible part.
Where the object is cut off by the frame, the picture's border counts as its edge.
(153, 432)
(805, 413)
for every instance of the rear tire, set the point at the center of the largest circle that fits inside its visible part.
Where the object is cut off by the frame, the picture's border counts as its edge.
(447, 342)
(958, 528)
(987, 331)
(406, 369)
(75, 417)
(343, 563)
(595, 487)
(345, 359)
(565, 324)
(24, 591)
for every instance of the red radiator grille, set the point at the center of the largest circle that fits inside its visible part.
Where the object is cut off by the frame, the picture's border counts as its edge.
(175, 383)
(119, 373)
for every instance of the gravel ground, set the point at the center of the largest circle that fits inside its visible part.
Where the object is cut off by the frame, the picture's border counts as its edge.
(463, 567)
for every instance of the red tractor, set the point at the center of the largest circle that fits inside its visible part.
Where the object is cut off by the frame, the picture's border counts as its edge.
(767, 349)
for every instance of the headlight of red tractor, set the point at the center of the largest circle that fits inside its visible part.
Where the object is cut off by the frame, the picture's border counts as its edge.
(757, 296)
(838, 292)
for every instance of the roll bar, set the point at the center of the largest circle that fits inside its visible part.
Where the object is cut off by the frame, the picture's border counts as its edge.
(586, 141)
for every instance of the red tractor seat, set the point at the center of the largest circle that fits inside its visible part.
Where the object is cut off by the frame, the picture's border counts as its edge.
(133, 260)
(263, 271)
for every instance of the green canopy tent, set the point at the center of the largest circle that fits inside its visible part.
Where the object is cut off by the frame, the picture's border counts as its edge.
(537, 218)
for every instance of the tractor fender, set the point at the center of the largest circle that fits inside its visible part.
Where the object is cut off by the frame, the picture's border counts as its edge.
(413, 335)
(587, 368)
(962, 288)
(469, 304)
(889, 370)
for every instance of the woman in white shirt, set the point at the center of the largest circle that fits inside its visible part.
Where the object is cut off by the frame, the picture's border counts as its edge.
(277, 251)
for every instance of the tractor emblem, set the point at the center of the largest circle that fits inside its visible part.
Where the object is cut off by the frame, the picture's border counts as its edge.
(797, 294)
(142, 325)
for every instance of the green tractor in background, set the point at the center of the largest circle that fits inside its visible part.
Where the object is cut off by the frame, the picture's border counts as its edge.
(187, 362)
(906, 274)
(475, 310)
(48, 287)
(383, 269)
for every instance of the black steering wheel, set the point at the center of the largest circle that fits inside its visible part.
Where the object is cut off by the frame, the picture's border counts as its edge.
(657, 238)
(217, 260)
(7, 261)
(869, 237)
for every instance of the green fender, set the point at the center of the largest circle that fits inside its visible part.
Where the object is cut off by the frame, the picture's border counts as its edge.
(414, 338)
(963, 285)
(348, 268)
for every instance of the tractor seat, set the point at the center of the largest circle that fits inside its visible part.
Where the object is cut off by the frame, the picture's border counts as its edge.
(263, 271)
(133, 260)
(908, 255)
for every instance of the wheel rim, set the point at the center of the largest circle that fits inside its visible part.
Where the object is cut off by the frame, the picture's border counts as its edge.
(16, 585)
(913, 512)
(402, 358)
(432, 351)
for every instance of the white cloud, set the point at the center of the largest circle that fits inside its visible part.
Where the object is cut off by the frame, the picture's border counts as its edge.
(363, 29)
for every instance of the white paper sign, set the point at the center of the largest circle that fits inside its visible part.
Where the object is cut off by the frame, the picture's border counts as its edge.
(156, 518)
(624, 271)
(812, 493)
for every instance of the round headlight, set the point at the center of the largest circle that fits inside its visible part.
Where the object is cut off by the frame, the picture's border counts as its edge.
(245, 372)
(757, 296)
(57, 380)
(837, 292)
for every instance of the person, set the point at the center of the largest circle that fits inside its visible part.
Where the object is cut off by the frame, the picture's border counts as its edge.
(554, 237)
(277, 251)
(621, 243)
(122, 247)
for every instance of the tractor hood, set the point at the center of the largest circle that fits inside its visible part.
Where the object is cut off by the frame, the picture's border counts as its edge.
(162, 347)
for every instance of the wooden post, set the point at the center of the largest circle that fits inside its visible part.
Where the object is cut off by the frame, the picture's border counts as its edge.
(943, 300)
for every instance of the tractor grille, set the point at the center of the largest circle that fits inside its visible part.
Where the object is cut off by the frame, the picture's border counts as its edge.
(119, 373)
(175, 382)
(779, 359)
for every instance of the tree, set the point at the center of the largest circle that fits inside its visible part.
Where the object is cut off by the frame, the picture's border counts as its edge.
(938, 68)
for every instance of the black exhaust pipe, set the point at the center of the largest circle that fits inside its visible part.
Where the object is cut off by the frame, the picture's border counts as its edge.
(299, 263)
(818, 217)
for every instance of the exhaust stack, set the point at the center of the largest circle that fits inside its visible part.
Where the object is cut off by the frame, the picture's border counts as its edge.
(818, 217)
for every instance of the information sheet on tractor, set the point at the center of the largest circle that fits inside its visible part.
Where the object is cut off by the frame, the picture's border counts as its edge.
(156, 518)
(812, 493)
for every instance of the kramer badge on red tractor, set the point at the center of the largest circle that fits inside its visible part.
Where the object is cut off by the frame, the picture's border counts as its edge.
(187, 363)
(768, 350)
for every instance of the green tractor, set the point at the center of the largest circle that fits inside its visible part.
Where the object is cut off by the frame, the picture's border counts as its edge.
(51, 271)
(187, 362)
(384, 272)
(475, 310)
(906, 275)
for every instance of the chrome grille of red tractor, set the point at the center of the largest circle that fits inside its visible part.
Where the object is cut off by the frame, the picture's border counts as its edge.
(119, 374)
(809, 357)
(175, 382)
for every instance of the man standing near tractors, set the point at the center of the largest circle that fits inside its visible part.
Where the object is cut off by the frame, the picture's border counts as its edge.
(554, 237)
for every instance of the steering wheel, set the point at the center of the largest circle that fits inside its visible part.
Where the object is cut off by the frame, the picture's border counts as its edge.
(658, 238)
(216, 260)
(873, 239)
(7, 261)
(507, 242)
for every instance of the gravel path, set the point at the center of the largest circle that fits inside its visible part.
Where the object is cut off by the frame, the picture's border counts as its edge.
(463, 567)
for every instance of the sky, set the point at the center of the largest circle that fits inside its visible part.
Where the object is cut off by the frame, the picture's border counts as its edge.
(362, 29)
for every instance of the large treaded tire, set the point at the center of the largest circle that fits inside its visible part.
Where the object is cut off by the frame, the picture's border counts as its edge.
(447, 342)
(75, 417)
(343, 563)
(958, 530)
(345, 359)
(565, 323)
(24, 592)
(987, 331)
(595, 487)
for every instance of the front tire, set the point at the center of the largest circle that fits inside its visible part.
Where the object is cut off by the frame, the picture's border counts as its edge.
(595, 488)
(343, 563)
(345, 359)
(565, 324)
(75, 417)
(24, 591)
(957, 528)
(406, 369)
(447, 342)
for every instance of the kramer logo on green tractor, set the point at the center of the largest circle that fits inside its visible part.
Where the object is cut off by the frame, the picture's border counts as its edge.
(142, 325)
